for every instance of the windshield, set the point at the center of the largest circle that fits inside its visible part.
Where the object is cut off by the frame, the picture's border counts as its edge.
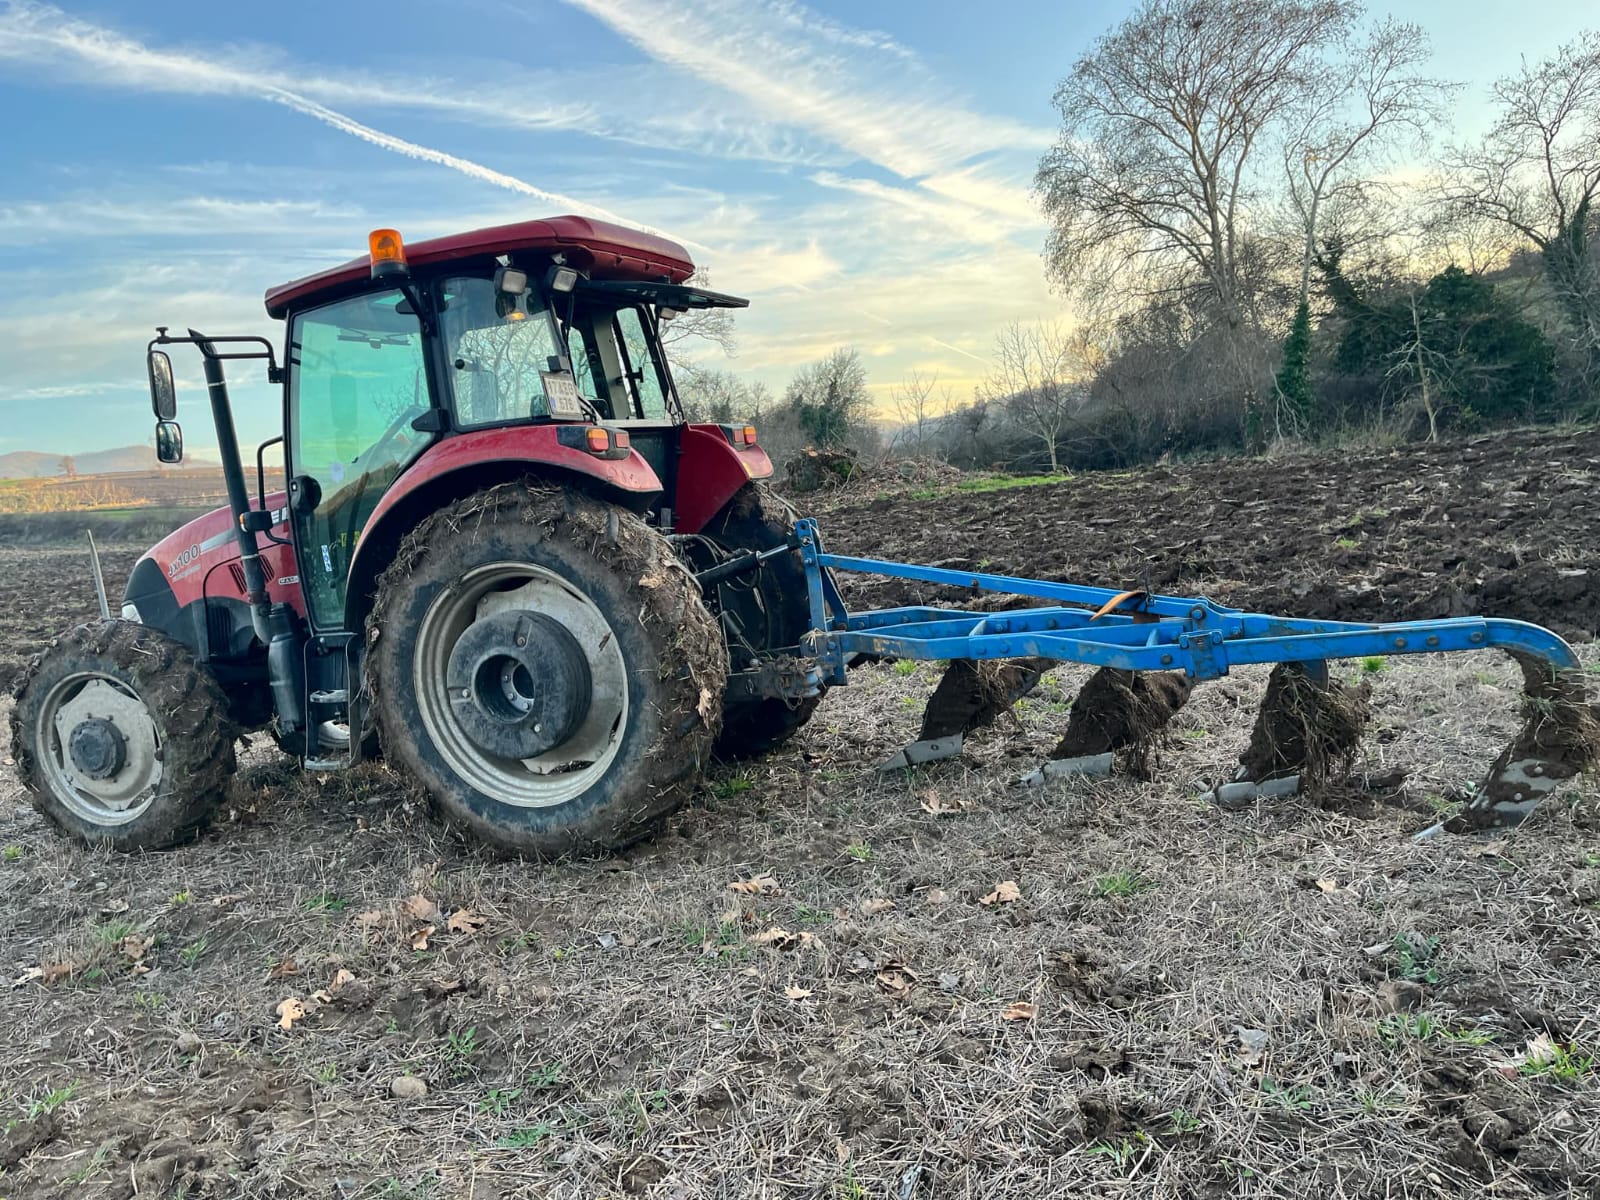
(497, 348)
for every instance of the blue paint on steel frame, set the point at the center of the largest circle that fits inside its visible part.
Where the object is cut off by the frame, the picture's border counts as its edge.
(1148, 633)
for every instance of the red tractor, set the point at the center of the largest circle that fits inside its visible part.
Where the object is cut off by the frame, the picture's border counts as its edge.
(502, 549)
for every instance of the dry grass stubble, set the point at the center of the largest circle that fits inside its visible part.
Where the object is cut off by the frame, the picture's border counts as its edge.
(1295, 1000)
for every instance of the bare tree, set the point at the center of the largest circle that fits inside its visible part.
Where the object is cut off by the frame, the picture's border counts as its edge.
(829, 399)
(1039, 378)
(720, 396)
(918, 401)
(1368, 97)
(1537, 172)
(714, 325)
(1162, 126)
(1418, 368)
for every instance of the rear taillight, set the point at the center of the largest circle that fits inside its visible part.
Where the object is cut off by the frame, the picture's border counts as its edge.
(599, 440)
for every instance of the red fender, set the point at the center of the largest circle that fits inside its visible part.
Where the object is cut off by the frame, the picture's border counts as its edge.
(468, 462)
(710, 470)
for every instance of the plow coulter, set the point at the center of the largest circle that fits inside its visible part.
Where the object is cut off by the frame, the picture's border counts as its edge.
(1152, 650)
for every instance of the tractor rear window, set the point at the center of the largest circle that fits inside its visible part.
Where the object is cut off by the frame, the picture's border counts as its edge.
(497, 345)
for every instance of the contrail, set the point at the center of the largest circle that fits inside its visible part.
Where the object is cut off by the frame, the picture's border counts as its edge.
(454, 162)
(957, 349)
(466, 166)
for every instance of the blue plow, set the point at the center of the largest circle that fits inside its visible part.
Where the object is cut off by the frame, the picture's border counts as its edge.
(1136, 631)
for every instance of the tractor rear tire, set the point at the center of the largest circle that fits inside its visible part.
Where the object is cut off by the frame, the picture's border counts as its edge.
(122, 737)
(546, 668)
(758, 519)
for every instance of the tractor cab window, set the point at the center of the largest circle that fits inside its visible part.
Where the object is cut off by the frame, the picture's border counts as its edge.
(615, 359)
(584, 357)
(358, 383)
(643, 376)
(496, 345)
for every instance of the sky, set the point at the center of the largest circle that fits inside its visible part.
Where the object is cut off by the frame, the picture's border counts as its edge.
(862, 171)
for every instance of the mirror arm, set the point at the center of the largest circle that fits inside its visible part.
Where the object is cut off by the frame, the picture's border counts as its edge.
(207, 347)
(261, 489)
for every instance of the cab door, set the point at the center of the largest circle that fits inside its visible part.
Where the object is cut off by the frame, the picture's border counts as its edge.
(357, 380)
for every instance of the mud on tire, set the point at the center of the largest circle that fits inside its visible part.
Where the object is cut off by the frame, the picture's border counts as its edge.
(757, 519)
(669, 648)
(186, 708)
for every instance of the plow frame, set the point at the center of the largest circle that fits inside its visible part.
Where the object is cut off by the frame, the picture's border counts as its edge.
(1102, 627)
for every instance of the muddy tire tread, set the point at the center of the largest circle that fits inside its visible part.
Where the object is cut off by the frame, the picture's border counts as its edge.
(190, 709)
(687, 663)
(757, 518)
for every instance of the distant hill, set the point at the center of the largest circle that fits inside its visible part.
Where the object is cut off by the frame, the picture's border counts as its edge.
(36, 464)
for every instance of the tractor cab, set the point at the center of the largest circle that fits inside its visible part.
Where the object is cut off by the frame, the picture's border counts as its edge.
(533, 325)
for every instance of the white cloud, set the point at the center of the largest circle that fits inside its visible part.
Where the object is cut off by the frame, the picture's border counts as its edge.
(644, 107)
(69, 391)
(87, 216)
(966, 222)
(883, 107)
(771, 266)
(34, 32)
(1003, 198)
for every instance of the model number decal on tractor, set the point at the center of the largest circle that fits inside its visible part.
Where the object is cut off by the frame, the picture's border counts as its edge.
(185, 559)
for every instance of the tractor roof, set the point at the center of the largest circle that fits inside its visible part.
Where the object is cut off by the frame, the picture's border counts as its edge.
(606, 251)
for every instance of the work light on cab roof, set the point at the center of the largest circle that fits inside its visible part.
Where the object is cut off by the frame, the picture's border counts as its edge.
(506, 560)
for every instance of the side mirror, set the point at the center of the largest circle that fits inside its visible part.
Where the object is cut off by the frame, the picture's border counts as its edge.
(169, 441)
(163, 394)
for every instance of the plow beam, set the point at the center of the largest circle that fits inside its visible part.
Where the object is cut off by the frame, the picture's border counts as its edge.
(1141, 631)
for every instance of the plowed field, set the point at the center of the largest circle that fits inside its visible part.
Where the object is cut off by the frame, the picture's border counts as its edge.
(1098, 988)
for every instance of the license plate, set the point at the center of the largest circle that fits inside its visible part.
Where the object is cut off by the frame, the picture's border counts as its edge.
(561, 394)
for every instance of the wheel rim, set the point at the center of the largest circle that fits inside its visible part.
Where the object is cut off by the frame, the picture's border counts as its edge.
(100, 748)
(566, 770)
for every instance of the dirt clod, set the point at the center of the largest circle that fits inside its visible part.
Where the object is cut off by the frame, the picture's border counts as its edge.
(1560, 736)
(1123, 710)
(407, 1087)
(1400, 995)
(972, 695)
(25, 1137)
(1306, 727)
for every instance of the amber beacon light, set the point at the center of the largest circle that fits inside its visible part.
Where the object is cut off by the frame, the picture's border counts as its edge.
(388, 253)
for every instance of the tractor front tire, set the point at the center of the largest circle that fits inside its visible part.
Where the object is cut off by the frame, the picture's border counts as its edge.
(758, 519)
(122, 737)
(546, 668)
